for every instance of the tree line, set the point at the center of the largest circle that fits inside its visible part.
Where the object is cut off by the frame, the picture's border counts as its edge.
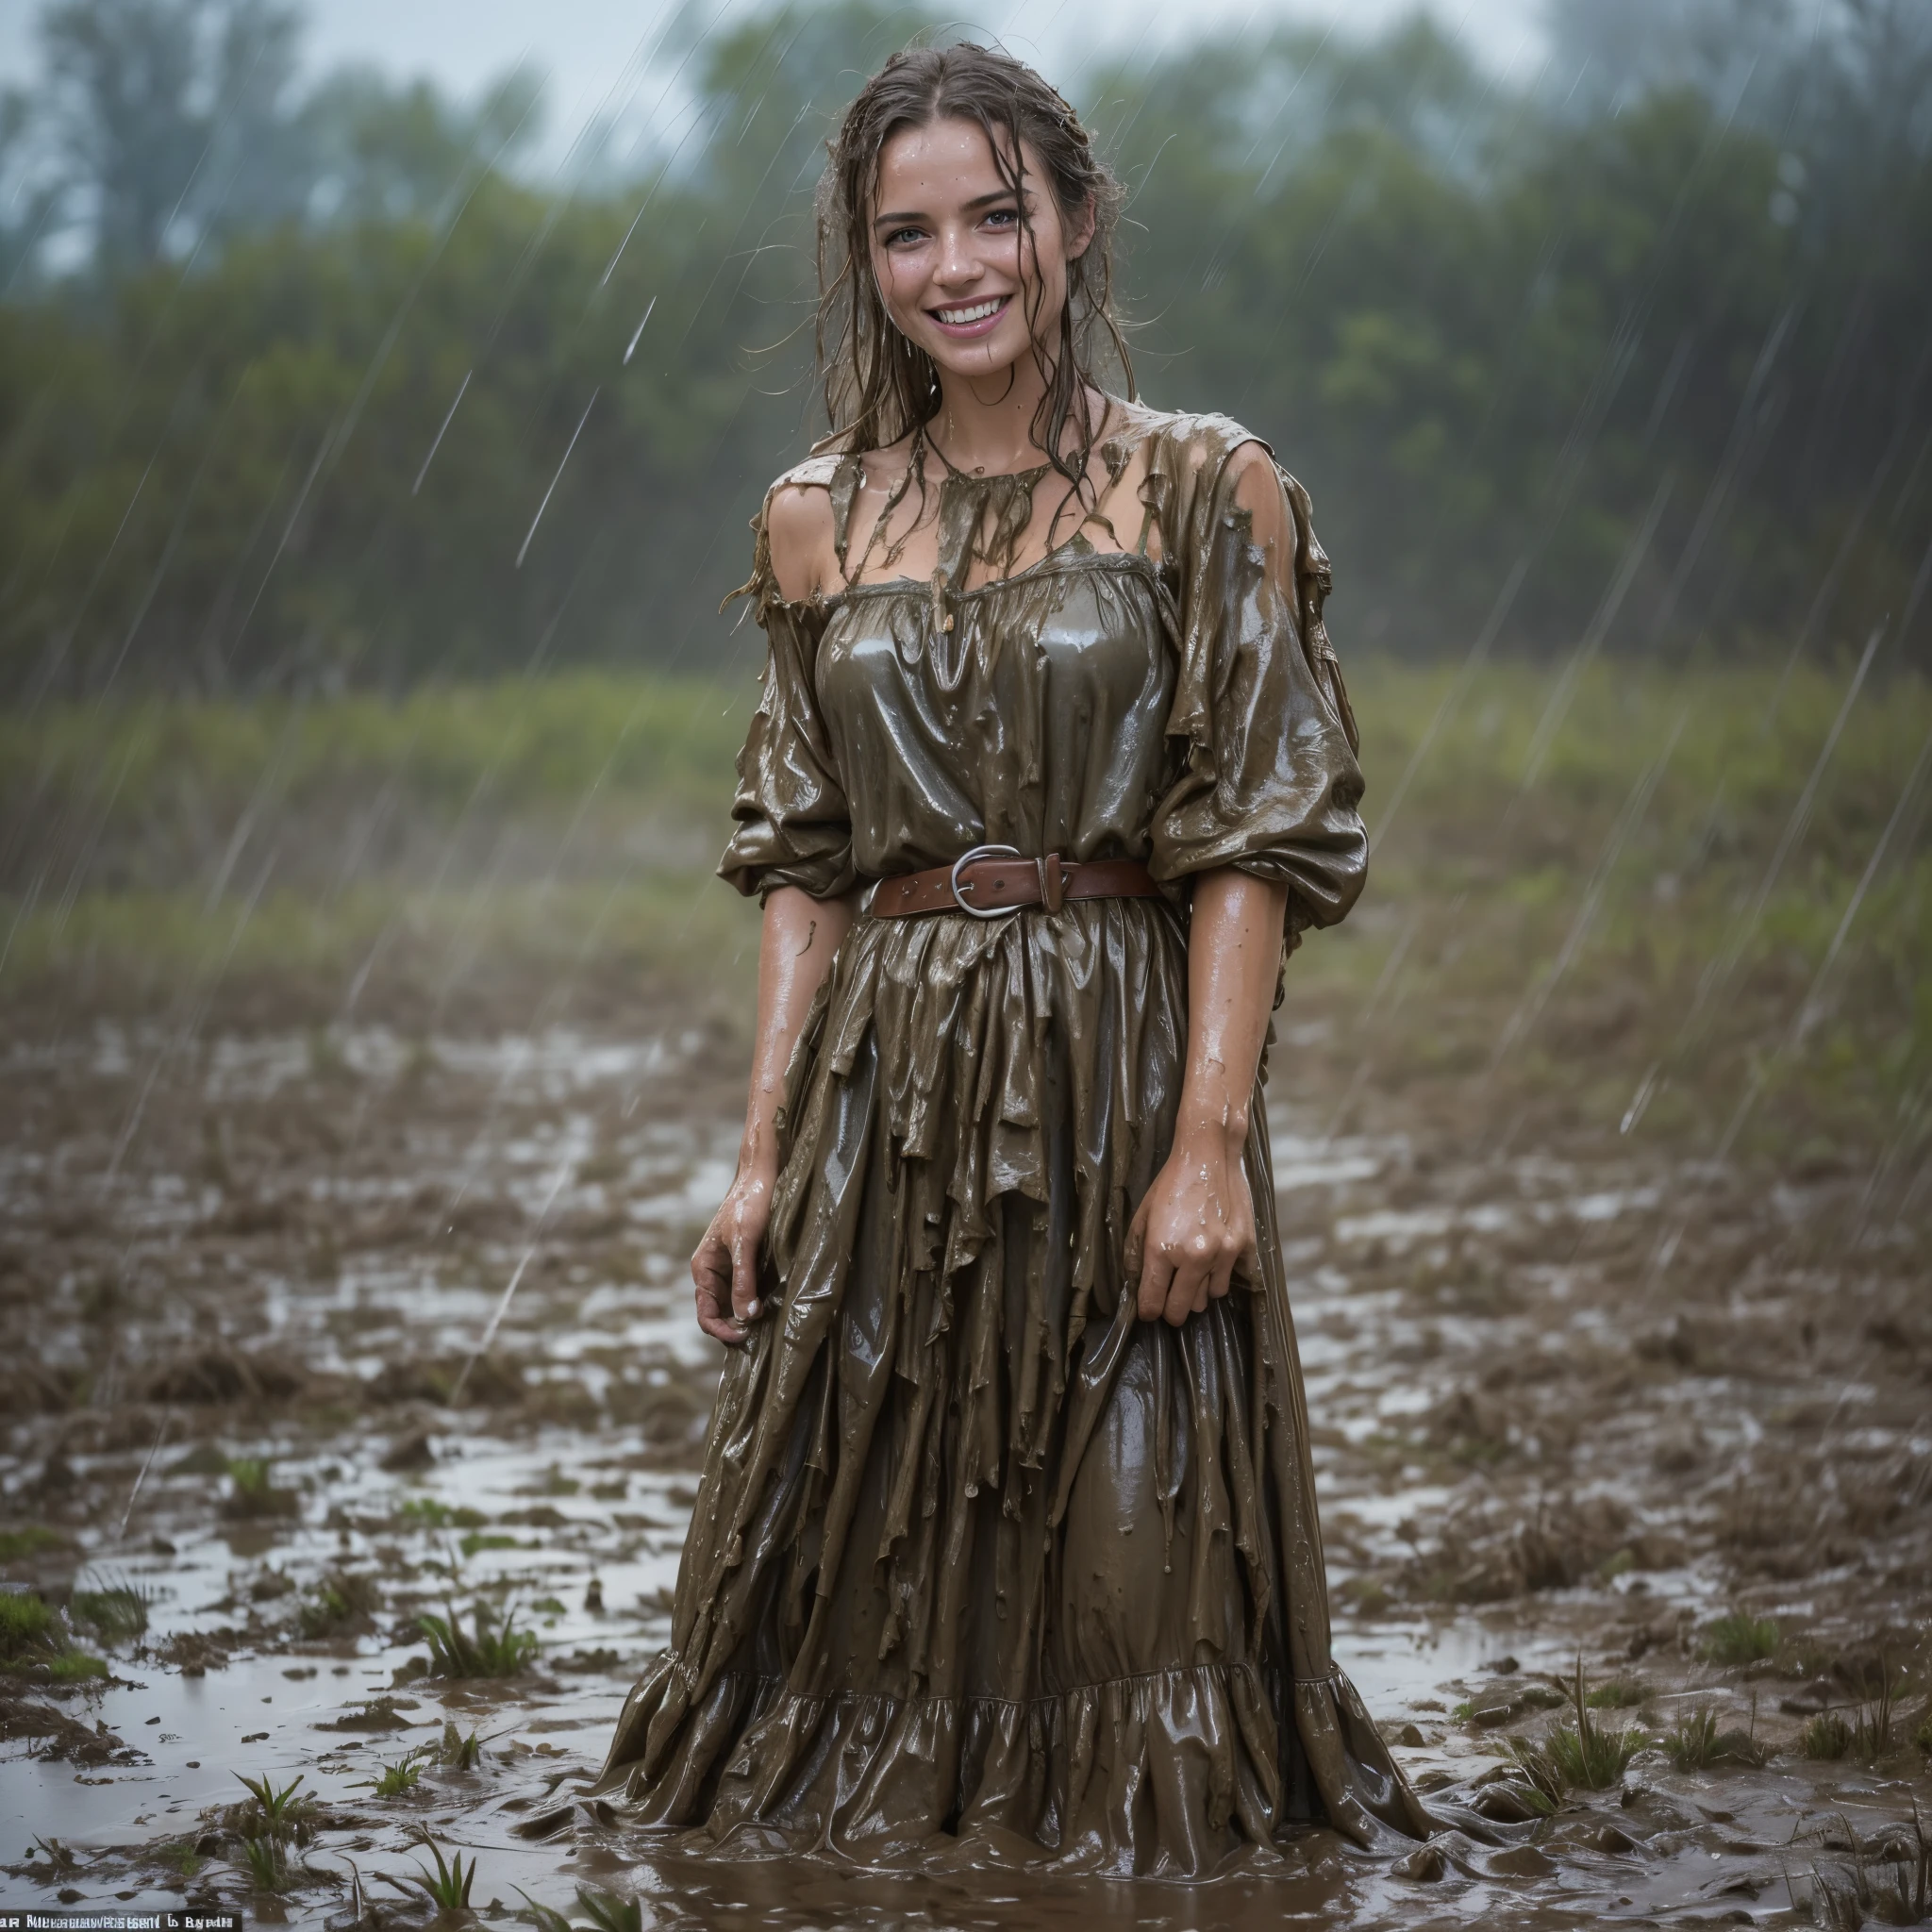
(305, 385)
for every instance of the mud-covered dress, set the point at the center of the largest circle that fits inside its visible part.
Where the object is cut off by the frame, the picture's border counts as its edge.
(983, 1568)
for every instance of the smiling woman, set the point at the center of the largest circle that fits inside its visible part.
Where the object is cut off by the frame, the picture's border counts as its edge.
(1006, 1546)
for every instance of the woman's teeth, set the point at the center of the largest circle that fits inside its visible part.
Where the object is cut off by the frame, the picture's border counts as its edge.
(956, 318)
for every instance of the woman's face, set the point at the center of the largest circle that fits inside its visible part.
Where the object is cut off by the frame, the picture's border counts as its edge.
(958, 274)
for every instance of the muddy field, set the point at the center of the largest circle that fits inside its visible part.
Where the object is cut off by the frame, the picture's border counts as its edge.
(312, 1335)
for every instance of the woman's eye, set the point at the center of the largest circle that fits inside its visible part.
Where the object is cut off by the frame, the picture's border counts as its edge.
(1003, 217)
(899, 236)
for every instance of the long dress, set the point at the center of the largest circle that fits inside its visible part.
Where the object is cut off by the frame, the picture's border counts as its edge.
(984, 1567)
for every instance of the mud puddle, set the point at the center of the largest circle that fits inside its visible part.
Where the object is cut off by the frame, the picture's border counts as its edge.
(308, 1337)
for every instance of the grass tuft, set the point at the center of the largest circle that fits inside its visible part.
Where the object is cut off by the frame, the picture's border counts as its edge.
(458, 1753)
(254, 1492)
(395, 1780)
(1544, 1783)
(339, 1604)
(1872, 1723)
(1692, 1744)
(426, 1512)
(1869, 1734)
(476, 1540)
(16, 1544)
(1698, 1744)
(449, 1890)
(495, 1650)
(1827, 1737)
(77, 1667)
(267, 1864)
(1619, 1694)
(114, 1614)
(1739, 1638)
(544, 1918)
(1590, 1753)
(276, 1815)
(607, 1912)
(34, 1637)
(29, 1629)
(28, 1624)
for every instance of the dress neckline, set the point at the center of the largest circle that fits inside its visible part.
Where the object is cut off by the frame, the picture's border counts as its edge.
(1074, 554)
(979, 518)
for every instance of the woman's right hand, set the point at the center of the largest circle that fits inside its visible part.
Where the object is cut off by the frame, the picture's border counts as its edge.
(725, 1266)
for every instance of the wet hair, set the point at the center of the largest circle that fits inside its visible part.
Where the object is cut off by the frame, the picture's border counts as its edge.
(879, 385)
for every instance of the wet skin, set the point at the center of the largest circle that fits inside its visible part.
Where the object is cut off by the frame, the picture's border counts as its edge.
(800, 936)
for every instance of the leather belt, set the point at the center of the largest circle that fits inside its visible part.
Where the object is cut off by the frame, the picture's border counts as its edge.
(992, 879)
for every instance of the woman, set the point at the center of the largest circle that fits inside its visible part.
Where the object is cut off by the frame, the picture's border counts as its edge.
(1005, 1546)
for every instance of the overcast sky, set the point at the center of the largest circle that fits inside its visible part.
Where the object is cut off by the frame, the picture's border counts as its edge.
(585, 47)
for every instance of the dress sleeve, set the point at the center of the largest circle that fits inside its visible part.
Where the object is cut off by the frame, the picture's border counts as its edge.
(793, 825)
(1263, 739)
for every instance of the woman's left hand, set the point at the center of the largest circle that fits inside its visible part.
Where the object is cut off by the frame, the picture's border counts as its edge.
(1195, 1227)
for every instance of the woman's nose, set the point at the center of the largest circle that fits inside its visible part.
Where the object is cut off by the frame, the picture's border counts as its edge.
(959, 263)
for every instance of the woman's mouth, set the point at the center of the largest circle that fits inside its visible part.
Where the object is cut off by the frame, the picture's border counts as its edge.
(965, 320)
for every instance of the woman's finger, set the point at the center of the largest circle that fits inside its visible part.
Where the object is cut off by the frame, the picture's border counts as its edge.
(744, 1277)
(1133, 1253)
(1180, 1304)
(709, 1260)
(714, 1321)
(1248, 1268)
(1187, 1292)
(1156, 1273)
(1221, 1276)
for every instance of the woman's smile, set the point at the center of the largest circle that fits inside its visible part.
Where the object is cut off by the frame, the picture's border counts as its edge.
(966, 321)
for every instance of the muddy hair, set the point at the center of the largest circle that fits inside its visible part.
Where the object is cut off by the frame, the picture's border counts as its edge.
(879, 386)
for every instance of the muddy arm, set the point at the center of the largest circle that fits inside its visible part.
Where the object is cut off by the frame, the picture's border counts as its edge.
(800, 936)
(1196, 1223)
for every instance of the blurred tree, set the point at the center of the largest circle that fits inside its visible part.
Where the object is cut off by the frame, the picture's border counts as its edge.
(1604, 58)
(30, 194)
(384, 152)
(1885, 67)
(173, 117)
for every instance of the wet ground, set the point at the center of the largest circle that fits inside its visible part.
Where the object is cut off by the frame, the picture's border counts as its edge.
(306, 1336)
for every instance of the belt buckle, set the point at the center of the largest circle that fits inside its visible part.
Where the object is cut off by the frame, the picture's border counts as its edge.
(966, 858)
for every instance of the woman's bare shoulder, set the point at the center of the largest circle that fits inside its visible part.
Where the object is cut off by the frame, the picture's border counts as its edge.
(800, 528)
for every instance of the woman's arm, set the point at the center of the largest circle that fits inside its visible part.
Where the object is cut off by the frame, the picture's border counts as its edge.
(795, 951)
(1196, 1222)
